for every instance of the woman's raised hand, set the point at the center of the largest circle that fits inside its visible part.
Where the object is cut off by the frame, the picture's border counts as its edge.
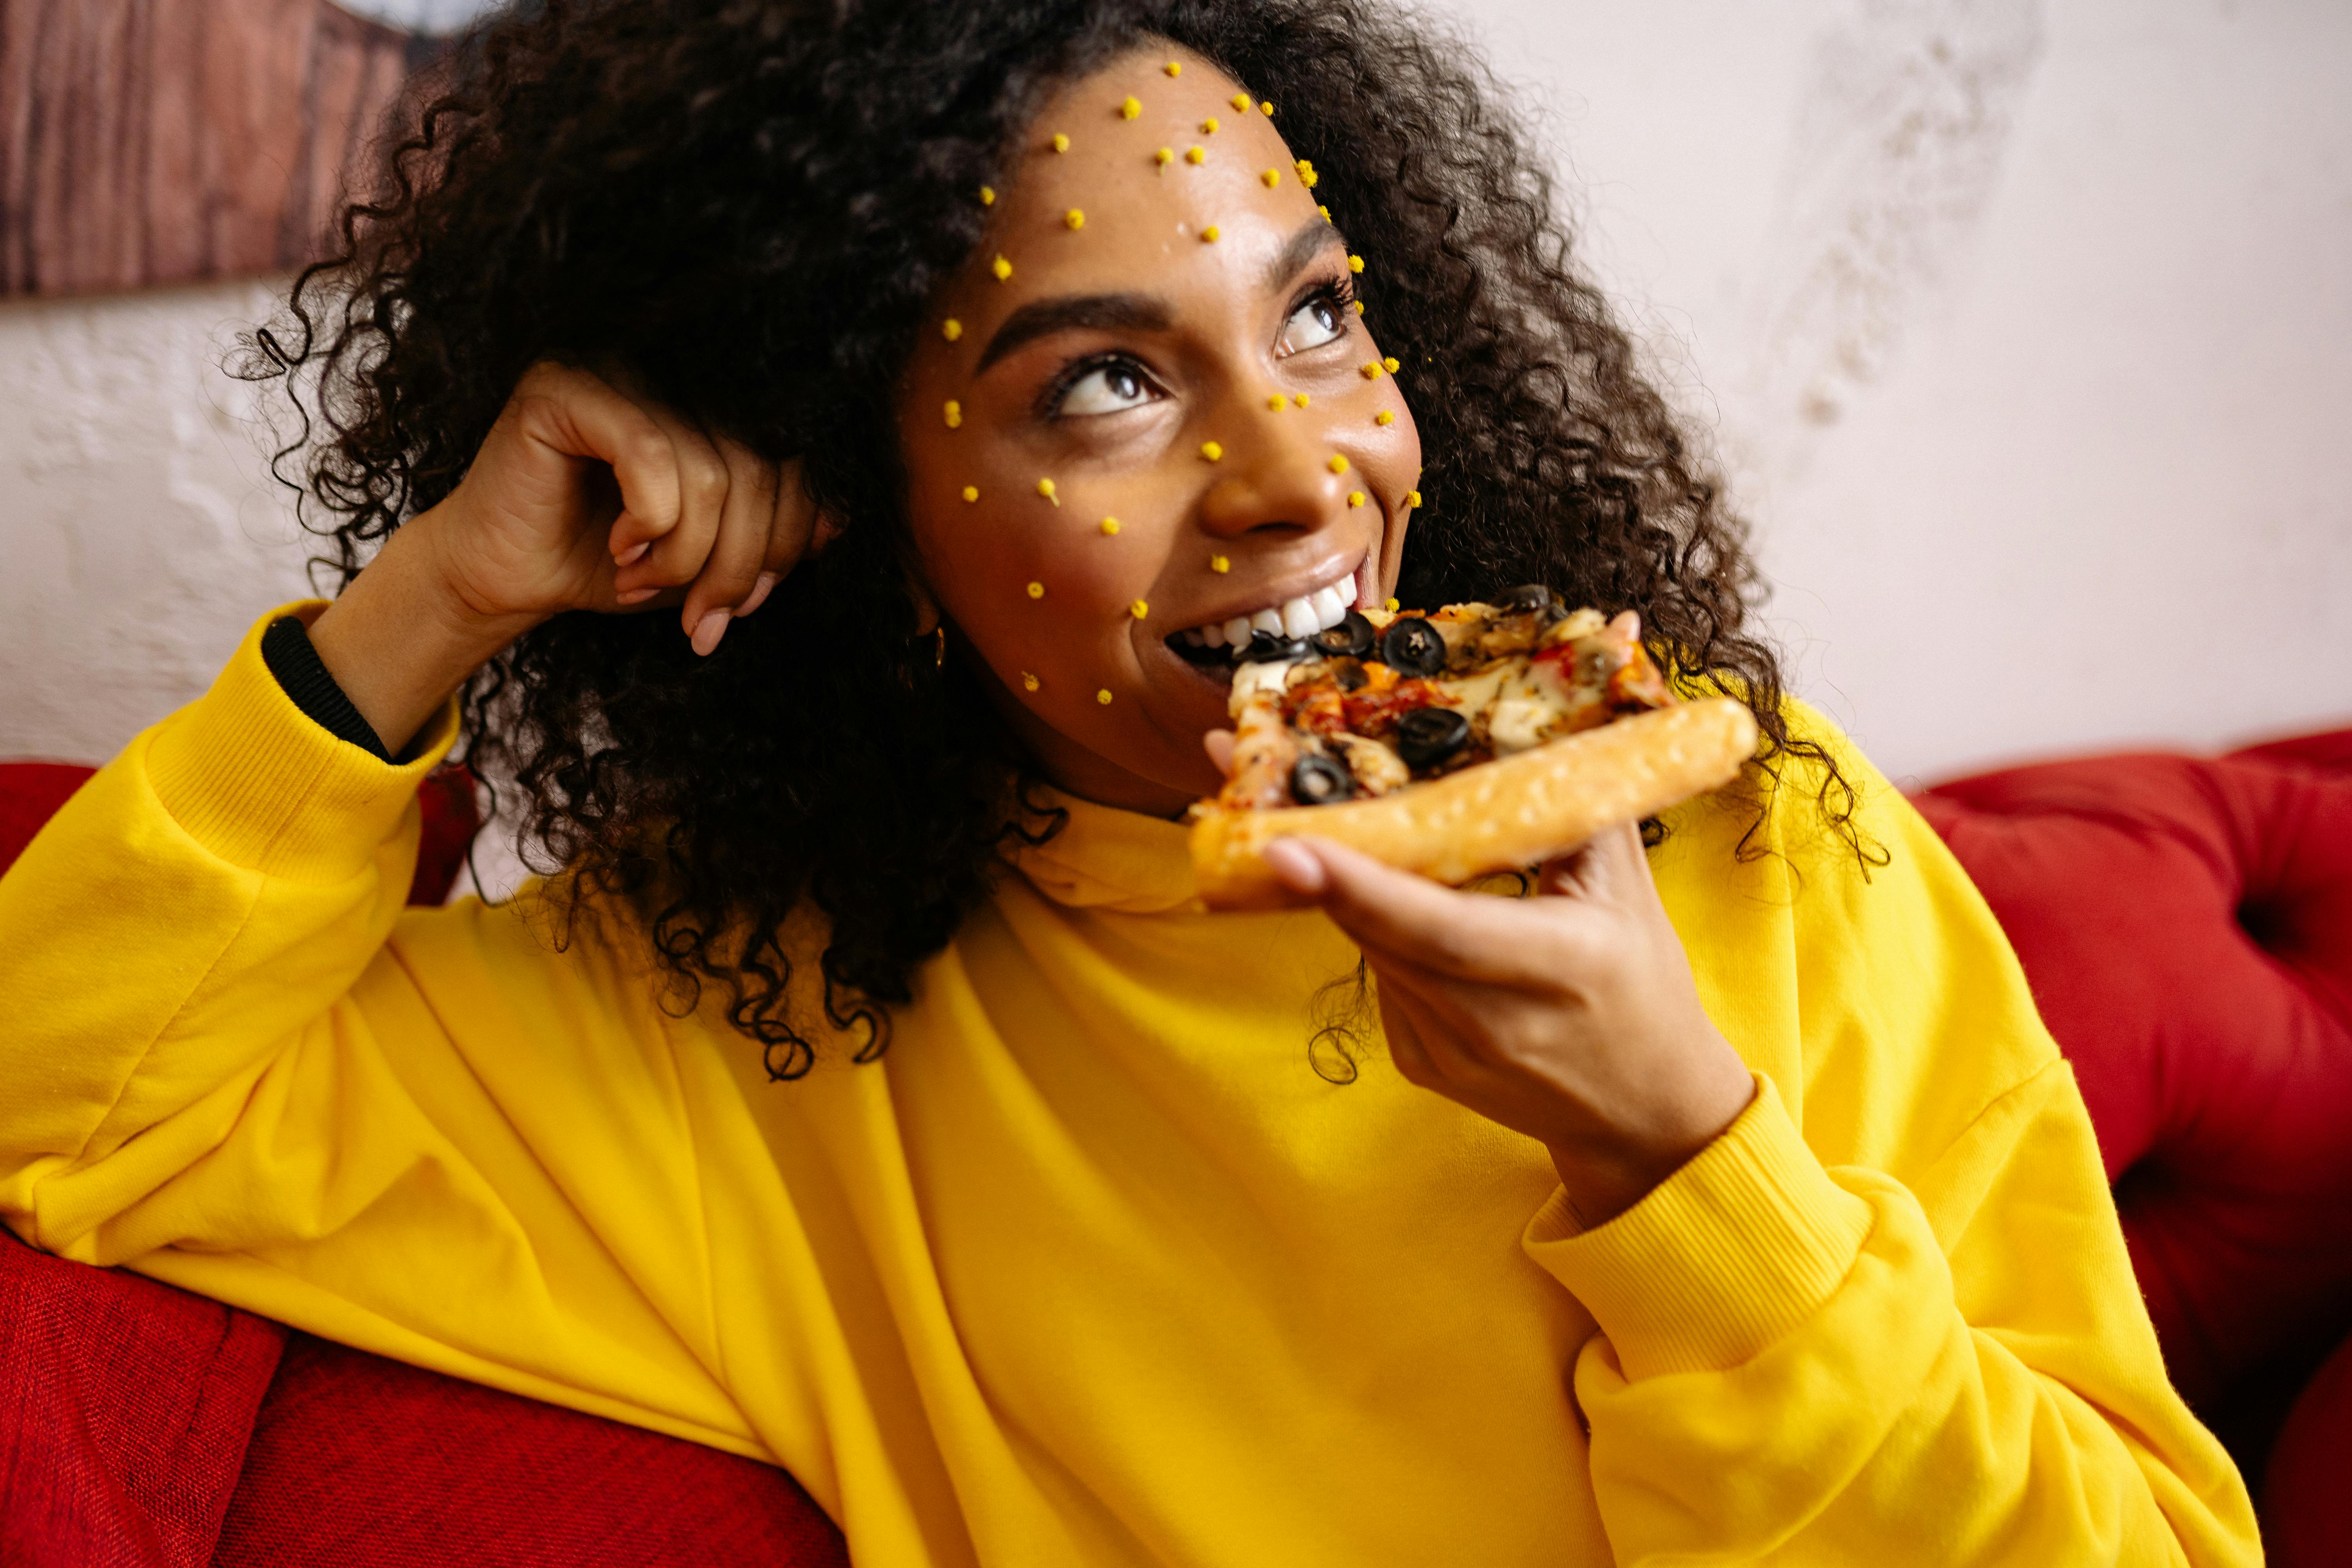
(586, 495)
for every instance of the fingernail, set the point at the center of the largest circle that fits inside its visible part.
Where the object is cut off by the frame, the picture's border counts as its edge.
(709, 631)
(759, 593)
(634, 555)
(635, 595)
(1293, 866)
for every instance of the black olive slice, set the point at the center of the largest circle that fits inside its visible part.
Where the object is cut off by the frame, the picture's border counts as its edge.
(1318, 781)
(1412, 646)
(1427, 736)
(1264, 647)
(1353, 636)
(1526, 596)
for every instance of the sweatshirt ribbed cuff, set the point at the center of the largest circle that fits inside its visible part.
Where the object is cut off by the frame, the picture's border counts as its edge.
(304, 677)
(1718, 1260)
(247, 774)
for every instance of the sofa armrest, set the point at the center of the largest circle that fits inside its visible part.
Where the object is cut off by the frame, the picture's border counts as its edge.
(125, 1410)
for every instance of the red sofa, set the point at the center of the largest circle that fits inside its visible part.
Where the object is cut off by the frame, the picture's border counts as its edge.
(2187, 926)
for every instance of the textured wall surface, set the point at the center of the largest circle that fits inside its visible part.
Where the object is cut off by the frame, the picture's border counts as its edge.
(138, 531)
(2025, 328)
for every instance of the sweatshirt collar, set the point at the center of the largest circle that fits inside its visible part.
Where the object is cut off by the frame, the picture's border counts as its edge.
(1108, 859)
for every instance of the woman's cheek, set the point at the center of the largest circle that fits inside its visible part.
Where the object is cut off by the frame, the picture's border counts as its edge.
(1045, 587)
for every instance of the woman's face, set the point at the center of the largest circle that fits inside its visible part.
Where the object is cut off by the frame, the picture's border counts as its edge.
(1154, 311)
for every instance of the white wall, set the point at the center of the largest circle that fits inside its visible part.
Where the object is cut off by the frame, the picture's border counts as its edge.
(2026, 328)
(139, 534)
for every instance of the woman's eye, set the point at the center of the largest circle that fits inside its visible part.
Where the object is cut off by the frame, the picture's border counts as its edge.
(1311, 326)
(1106, 389)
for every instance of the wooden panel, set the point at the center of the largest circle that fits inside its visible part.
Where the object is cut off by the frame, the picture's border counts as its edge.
(150, 142)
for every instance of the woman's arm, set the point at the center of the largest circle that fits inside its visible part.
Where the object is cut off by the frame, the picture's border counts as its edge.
(235, 1061)
(1838, 1366)
(1884, 1314)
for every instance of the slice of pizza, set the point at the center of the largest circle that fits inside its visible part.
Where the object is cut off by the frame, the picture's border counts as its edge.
(1482, 738)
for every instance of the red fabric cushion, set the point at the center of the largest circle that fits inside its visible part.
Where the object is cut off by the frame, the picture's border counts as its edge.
(124, 1408)
(2187, 927)
(360, 1462)
(30, 793)
(451, 819)
(2307, 1490)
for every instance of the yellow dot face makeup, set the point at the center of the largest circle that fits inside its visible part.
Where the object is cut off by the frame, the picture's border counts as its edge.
(1167, 473)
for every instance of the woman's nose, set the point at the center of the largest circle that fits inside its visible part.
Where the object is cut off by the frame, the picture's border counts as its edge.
(1281, 472)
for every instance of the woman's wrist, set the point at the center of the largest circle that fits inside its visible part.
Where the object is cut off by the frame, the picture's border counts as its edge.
(398, 641)
(1604, 1182)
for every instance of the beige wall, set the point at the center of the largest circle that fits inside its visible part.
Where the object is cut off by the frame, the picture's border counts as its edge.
(139, 534)
(2026, 331)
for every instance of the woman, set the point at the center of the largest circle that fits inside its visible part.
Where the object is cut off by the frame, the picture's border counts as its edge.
(864, 1096)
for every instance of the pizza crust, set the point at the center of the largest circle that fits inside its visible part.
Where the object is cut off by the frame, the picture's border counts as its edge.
(1501, 815)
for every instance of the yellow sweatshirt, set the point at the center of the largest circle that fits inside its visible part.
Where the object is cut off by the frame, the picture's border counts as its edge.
(1091, 1267)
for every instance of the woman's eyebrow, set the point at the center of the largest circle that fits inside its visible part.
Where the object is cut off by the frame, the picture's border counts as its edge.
(1314, 236)
(1130, 312)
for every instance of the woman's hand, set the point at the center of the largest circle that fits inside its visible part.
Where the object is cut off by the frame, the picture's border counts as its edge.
(585, 495)
(1571, 1016)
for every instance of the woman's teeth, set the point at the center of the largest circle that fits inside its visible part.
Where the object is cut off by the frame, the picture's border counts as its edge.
(1299, 617)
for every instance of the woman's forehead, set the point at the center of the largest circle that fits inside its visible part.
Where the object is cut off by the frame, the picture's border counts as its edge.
(1130, 175)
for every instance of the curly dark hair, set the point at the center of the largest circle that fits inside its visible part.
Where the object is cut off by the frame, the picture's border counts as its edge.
(748, 204)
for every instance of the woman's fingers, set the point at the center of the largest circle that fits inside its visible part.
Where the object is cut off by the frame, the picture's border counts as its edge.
(704, 523)
(730, 573)
(1219, 744)
(800, 529)
(1443, 1015)
(677, 553)
(1613, 855)
(577, 415)
(1405, 1045)
(1389, 911)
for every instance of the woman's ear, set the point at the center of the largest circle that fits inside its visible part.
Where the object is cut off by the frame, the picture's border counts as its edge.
(927, 609)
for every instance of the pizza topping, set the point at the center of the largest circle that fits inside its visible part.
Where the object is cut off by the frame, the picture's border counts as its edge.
(1413, 646)
(1352, 638)
(1427, 736)
(1318, 780)
(1272, 647)
(1374, 702)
